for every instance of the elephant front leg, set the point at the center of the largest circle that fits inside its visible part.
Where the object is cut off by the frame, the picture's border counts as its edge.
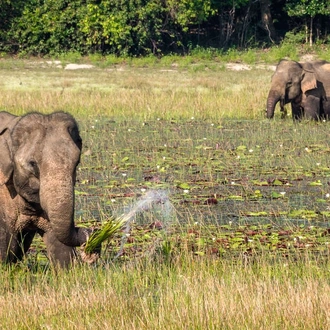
(14, 246)
(284, 112)
(6, 244)
(58, 253)
(297, 111)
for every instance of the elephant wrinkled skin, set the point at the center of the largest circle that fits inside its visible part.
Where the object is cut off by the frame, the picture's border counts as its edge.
(38, 159)
(305, 85)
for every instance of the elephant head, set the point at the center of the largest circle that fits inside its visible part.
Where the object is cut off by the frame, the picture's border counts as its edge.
(39, 156)
(290, 81)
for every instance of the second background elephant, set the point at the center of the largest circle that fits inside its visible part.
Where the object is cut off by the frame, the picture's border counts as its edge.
(305, 85)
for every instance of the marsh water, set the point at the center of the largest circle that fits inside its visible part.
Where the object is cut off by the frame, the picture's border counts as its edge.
(217, 172)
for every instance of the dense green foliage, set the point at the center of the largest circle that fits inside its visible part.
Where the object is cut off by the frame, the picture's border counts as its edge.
(143, 27)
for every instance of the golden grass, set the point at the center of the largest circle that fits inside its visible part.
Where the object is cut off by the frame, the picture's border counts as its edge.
(142, 93)
(197, 295)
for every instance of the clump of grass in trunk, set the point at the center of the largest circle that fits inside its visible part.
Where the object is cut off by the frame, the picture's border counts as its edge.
(108, 230)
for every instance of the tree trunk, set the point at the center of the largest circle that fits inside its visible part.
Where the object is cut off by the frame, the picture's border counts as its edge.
(245, 26)
(311, 32)
(267, 21)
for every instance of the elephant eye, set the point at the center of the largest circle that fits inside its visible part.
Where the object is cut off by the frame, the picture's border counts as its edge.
(34, 168)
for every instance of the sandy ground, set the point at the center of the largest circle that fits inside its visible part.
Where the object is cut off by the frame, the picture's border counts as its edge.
(230, 66)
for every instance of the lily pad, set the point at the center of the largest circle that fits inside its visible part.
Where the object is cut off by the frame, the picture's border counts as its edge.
(184, 185)
(276, 195)
(305, 214)
(316, 183)
(236, 197)
(80, 193)
(277, 183)
(260, 183)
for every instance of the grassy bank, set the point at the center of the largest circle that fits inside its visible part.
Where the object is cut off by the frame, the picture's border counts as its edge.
(203, 91)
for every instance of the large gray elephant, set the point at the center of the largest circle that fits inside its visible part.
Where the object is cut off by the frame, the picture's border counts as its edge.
(38, 159)
(305, 85)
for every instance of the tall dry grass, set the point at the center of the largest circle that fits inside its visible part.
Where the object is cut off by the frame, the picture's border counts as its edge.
(205, 91)
(190, 294)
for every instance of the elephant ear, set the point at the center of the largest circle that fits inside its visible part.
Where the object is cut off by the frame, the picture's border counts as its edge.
(7, 122)
(309, 79)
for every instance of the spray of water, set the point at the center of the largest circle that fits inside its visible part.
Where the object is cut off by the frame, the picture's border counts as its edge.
(151, 199)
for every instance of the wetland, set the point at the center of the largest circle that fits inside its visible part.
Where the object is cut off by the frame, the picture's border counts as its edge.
(241, 238)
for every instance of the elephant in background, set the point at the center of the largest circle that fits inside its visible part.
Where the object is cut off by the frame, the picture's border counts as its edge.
(38, 159)
(305, 85)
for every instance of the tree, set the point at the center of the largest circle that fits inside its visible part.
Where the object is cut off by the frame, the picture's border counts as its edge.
(267, 21)
(228, 21)
(308, 9)
(9, 10)
(124, 27)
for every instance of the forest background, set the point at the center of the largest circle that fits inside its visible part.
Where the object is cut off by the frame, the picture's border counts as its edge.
(158, 27)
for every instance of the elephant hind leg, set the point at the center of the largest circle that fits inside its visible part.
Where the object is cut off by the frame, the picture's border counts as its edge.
(60, 255)
(325, 109)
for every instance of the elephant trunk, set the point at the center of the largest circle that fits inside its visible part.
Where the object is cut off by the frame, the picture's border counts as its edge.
(57, 200)
(273, 98)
